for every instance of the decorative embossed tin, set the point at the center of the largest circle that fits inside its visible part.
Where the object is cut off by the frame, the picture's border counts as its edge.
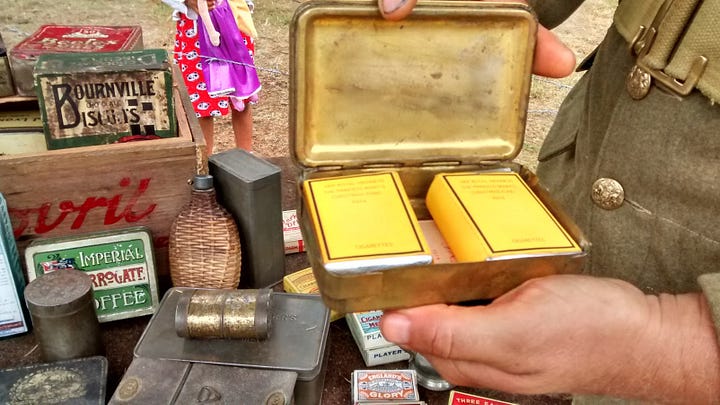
(443, 90)
(153, 381)
(224, 314)
(67, 382)
(68, 38)
(100, 98)
(297, 343)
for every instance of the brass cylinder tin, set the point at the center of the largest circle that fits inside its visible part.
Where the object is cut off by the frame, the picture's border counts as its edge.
(223, 314)
(62, 309)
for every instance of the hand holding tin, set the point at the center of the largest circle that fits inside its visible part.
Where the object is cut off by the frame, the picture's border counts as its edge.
(570, 333)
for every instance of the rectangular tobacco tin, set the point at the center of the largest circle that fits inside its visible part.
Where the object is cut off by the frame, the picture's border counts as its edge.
(120, 263)
(153, 381)
(296, 341)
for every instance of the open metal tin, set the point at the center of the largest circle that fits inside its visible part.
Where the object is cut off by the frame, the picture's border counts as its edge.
(443, 90)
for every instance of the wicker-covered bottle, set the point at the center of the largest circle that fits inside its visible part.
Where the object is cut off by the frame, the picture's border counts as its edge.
(204, 242)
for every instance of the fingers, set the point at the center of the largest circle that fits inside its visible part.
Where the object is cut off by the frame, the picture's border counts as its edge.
(394, 10)
(552, 57)
(438, 330)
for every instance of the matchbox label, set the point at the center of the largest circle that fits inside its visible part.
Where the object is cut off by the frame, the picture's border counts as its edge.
(383, 385)
(122, 272)
(461, 398)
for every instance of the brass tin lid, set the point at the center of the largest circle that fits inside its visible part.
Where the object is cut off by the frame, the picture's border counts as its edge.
(448, 84)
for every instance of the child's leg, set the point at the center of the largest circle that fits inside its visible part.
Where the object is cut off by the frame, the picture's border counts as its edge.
(242, 127)
(206, 124)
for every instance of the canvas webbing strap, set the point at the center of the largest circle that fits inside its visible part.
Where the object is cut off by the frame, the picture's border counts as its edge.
(677, 35)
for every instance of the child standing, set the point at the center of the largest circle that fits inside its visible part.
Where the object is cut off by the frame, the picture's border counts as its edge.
(220, 78)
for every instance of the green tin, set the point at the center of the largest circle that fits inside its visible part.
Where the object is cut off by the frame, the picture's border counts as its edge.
(105, 97)
(120, 263)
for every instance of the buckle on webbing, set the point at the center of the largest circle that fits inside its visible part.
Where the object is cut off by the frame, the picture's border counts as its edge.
(640, 78)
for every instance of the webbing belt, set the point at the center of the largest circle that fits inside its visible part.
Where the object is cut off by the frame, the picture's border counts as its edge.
(677, 44)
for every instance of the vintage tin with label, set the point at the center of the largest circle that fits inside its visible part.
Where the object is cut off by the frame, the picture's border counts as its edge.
(13, 312)
(68, 38)
(121, 265)
(443, 90)
(153, 381)
(249, 188)
(67, 382)
(6, 80)
(100, 98)
(297, 343)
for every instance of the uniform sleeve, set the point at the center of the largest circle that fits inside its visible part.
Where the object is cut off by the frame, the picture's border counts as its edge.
(710, 284)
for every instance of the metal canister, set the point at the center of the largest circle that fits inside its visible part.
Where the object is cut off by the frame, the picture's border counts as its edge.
(223, 314)
(62, 310)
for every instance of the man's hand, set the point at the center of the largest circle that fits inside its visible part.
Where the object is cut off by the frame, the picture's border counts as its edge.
(570, 334)
(552, 57)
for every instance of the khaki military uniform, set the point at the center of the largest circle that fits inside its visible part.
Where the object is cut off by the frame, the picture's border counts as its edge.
(640, 176)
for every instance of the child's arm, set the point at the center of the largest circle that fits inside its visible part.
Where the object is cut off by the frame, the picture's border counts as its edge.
(213, 34)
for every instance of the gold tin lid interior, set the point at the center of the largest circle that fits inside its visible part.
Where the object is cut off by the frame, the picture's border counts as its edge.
(448, 84)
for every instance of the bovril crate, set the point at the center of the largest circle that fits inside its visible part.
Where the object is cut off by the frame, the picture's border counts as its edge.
(445, 90)
(86, 189)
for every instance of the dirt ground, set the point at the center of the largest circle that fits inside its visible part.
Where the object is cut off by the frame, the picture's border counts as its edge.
(581, 32)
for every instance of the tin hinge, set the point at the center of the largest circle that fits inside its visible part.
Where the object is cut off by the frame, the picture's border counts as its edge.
(639, 79)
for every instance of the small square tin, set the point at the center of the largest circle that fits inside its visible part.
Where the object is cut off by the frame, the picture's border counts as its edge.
(67, 38)
(444, 90)
(296, 342)
(101, 98)
(153, 381)
(121, 265)
(76, 382)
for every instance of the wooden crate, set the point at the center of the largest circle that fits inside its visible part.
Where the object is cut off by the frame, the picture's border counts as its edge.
(93, 188)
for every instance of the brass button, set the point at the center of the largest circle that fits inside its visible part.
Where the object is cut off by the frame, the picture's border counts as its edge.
(608, 193)
(638, 83)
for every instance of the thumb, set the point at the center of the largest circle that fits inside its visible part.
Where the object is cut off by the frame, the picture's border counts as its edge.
(440, 330)
(552, 57)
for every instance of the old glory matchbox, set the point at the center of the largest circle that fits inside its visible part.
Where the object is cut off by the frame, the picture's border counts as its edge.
(494, 215)
(121, 265)
(364, 223)
(101, 98)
